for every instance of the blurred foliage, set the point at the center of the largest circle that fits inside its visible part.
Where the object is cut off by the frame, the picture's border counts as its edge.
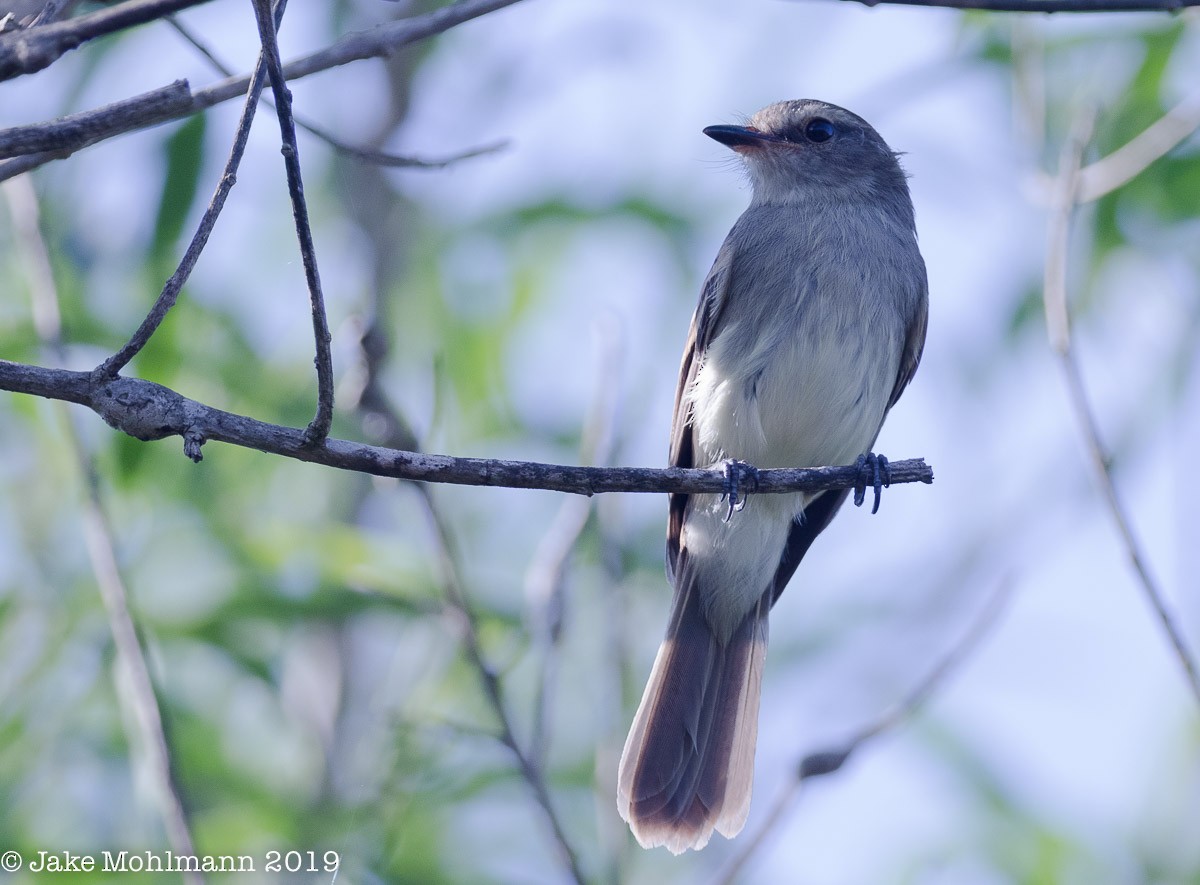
(311, 679)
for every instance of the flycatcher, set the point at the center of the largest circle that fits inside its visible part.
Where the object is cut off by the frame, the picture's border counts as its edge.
(809, 327)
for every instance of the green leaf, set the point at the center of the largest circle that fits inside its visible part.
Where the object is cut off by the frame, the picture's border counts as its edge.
(184, 153)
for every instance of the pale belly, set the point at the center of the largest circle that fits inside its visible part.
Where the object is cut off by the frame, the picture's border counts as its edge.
(799, 404)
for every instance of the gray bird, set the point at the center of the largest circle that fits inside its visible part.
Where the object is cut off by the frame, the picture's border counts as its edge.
(809, 327)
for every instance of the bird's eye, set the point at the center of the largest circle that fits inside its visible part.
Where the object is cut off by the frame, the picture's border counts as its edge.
(819, 130)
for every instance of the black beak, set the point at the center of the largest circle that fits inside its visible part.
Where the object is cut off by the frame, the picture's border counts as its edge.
(738, 136)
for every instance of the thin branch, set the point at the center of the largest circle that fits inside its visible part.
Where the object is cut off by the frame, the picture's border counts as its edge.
(1058, 232)
(137, 688)
(382, 40)
(31, 50)
(143, 701)
(1133, 158)
(1045, 5)
(65, 135)
(318, 428)
(170, 292)
(149, 411)
(1101, 177)
(456, 596)
(400, 161)
(367, 155)
(829, 761)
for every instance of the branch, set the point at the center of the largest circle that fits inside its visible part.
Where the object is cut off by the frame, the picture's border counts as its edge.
(829, 761)
(31, 50)
(1135, 156)
(1045, 5)
(149, 411)
(367, 155)
(456, 597)
(62, 137)
(170, 291)
(382, 40)
(142, 700)
(1058, 327)
(318, 428)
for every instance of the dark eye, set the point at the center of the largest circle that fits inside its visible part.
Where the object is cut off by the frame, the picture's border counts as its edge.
(818, 130)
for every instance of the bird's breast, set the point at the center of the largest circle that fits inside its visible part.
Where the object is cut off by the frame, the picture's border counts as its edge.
(807, 385)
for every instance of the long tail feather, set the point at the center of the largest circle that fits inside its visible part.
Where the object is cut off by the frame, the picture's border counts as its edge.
(688, 764)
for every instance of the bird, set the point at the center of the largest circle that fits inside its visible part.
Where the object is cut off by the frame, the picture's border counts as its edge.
(809, 326)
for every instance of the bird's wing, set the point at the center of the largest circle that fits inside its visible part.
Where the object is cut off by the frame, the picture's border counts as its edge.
(713, 297)
(914, 340)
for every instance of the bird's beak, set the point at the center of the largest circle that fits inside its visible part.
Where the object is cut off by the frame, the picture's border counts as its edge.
(739, 138)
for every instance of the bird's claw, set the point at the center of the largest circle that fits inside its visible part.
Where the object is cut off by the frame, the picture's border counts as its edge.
(737, 474)
(873, 470)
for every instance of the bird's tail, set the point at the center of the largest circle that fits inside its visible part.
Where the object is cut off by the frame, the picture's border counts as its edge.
(688, 764)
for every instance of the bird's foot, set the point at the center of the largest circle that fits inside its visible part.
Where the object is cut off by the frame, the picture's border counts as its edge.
(873, 471)
(737, 475)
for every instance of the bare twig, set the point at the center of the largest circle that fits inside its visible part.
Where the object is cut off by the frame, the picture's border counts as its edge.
(381, 40)
(30, 50)
(367, 155)
(1045, 5)
(829, 761)
(170, 292)
(318, 428)
(64, 136)
(136, 687)
(494, 692)
(1133, 158)
(143, 701)
(148, 411)
(400, 161)
(1058, 231)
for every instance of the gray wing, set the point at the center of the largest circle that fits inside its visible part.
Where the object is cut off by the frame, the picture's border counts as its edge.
(713, 297)
(914, 340)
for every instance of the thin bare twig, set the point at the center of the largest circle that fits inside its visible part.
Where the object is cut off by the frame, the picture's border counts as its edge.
(136, 688)
(170, 292)
(143, 701)
(147, 411)
(1058, 326)
(829, 761)
(65, 135)
(367, 155)
(379, 41)
(493, 690)
(31, 50)
(1045, 5)
(1140, 152)
(318, 428)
